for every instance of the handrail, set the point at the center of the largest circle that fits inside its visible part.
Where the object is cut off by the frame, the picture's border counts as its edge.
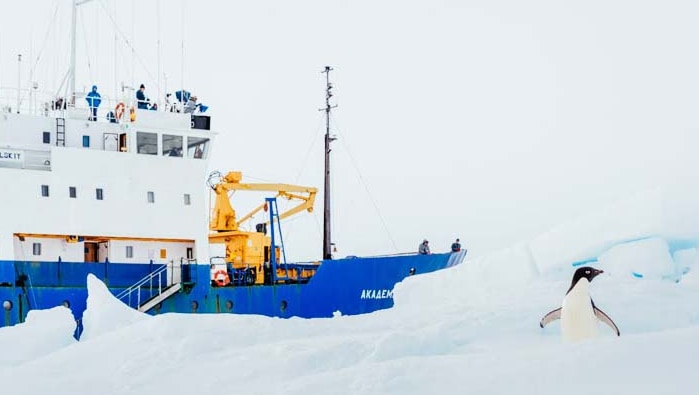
(147, 281)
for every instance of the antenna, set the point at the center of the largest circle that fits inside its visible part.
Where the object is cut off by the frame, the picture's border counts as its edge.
(73, 34)
(19, 80)
(327, 239)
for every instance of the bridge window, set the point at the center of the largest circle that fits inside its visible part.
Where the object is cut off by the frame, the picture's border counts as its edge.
(45, 190)
(151, 197)
(86, 141)
(190, 253)
(197, 147)
(172, 145)
(163, 253)
(99, 194)
(147, 143)
(72, 192)
(36, 249)
(47, 137)
(129, 251)
(187, 199)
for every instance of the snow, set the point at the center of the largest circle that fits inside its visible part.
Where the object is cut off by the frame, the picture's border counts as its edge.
(468, 329)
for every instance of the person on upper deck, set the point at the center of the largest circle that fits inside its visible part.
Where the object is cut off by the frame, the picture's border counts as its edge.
(191, 105)
(93, 101)
(141, 99)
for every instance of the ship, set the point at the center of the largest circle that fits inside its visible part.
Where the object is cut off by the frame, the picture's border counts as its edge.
(95, 194)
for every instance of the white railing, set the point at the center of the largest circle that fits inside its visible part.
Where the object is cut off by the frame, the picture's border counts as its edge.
(156, 283)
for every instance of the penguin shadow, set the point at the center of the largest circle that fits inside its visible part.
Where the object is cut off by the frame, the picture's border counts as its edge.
(578, 313)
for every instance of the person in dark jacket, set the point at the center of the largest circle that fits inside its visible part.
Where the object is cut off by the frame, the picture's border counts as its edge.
(141, 99)
(456, 246)
(424, 248)
(93, 101)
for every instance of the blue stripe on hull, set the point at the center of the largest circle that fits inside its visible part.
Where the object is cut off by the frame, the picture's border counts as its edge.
(349, 286)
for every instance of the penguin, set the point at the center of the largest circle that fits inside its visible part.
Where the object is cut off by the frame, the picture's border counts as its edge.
(578, 313)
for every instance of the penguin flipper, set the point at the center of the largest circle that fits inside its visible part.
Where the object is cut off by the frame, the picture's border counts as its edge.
(605, 318)
(551, 316)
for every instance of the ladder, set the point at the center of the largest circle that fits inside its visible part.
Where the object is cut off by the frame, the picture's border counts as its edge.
(61, 132)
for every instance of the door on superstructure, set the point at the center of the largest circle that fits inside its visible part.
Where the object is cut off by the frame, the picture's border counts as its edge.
(111, 142)
(91, 252)
(122, 142)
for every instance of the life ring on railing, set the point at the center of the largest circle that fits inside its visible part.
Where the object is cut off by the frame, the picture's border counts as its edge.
(221, 278)
(119, 111)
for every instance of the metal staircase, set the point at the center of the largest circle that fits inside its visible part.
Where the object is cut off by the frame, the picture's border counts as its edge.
(149, 291)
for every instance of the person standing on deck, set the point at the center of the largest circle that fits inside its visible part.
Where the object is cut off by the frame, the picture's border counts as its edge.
(424, 248)
(93, 101)
(141, 100)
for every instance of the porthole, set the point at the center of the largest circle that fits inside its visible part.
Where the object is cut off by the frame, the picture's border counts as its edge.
(66, 304)
(283, 305)
(411, 271)
(7, 305)
(229, 305)
(195, 306)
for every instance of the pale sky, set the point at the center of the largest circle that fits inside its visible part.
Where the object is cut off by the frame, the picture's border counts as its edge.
(491, 121)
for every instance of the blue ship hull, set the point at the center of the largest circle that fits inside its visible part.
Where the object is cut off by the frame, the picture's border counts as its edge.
(348, 286)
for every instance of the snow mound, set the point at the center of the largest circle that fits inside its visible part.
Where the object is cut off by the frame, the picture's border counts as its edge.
(43, 332)
(104, 312)
(648, 258)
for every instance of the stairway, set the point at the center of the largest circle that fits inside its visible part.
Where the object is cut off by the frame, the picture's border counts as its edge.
(155, 287)
(166, 293)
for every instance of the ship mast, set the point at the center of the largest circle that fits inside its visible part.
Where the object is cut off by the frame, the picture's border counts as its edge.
(327, 240)
(73, 34)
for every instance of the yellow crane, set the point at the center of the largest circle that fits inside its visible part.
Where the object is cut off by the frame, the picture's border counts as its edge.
(247, 251)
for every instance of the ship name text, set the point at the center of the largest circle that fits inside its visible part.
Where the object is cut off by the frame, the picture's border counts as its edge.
(377, 294)
(10, 155)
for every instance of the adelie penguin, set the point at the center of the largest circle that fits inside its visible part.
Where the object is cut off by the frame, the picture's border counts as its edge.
(578, 313)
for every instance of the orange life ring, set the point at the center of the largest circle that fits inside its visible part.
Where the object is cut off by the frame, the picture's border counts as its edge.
(221, 278)
(119, 111)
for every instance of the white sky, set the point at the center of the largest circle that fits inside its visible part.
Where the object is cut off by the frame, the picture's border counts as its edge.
(471, 328)
(489, 121)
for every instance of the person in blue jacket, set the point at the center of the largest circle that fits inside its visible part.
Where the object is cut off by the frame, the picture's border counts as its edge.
(93, 101)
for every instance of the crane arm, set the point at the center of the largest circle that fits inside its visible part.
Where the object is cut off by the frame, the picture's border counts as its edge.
(224, 218)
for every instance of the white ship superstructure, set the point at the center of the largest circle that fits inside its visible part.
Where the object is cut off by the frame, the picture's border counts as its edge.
(78, 190)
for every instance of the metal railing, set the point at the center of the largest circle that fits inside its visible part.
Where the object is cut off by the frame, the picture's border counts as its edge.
(154, 285)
